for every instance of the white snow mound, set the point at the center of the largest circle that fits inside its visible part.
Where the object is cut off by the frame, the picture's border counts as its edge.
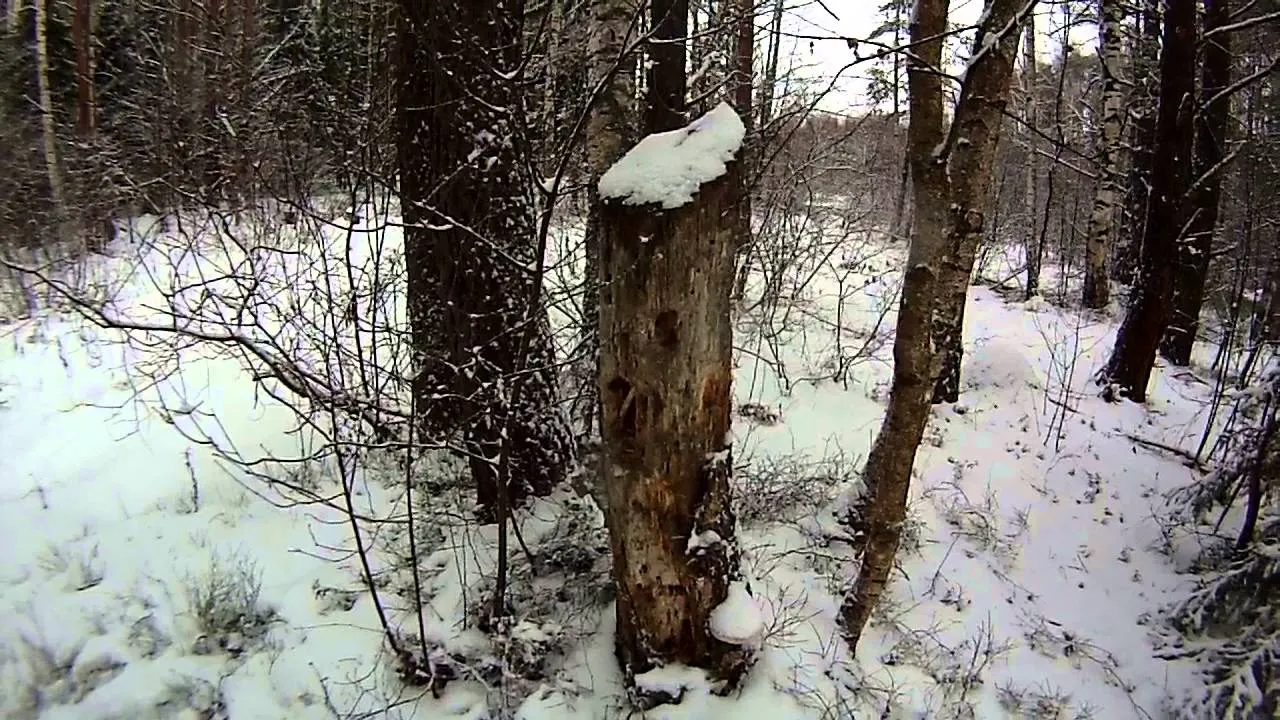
(669, 167)
(737, 620)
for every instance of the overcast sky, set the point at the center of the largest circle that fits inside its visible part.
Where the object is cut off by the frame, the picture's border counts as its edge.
(820, 60)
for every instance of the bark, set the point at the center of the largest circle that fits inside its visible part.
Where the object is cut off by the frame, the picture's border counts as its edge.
(742, 99)
(899, 225)
(950, 180)
(770, 80)
(979, 113)
(669, 20)
(1210, 151)
(1141, 141)
(665, 383)
(470, 245)
(756, 150)
(1133, 356)
(609, 130)
(81, 21)
(665, 386)
(1033, 242)
(48, 124)
(1106, 202)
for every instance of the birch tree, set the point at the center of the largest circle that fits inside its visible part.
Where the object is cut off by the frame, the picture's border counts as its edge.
(950, 172)
(981, 107)
(1106, 203)
(1033, 243)
(1128, 371)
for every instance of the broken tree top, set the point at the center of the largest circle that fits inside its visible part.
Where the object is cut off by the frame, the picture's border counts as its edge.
(668, 168)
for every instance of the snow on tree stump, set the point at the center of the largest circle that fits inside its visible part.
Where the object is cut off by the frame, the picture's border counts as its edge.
(667, 268)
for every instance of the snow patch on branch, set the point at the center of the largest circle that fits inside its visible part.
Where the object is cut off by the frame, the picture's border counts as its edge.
(668, 168)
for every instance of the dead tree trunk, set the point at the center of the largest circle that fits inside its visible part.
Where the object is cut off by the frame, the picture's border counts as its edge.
(665, 385)
(1106, 203)
(470, 245)
(1210, 151)
(1134, 353)
(950, 171)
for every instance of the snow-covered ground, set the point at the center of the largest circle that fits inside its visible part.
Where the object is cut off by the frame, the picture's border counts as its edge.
(143, 575)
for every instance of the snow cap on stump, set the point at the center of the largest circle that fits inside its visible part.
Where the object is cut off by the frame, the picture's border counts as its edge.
(668, 168)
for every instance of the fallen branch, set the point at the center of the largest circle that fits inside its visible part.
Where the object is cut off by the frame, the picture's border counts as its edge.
(1189, 458)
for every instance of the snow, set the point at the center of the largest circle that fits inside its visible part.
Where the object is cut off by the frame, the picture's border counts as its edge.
(737, 620)
(1031, 572)
(706, 538)
(668, 168)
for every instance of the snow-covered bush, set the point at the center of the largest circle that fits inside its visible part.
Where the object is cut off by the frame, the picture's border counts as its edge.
(1232, 618)
(226, 604)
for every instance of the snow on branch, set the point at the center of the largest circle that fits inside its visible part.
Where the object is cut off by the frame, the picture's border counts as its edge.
(669, 167)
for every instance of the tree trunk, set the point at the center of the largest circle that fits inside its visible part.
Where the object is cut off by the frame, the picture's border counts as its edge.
(899, 227)
(767, 87)
(665, 384)
(669, 20)
(1034, 241)
(48, 124)
(609, 130)
(1142, 140)
(979, 112)
(1210, 151)
(742, 100)
(950, 180)
(1133, 356)
(470, 245)
(1106, 203)
(81, 20)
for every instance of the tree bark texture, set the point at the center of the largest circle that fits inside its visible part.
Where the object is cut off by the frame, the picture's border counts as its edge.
(1133, 356)
(1142, 135)
(665, 383)
(1106, 202)
(1033, 244)
(970, 150)
(609, 130)
(470, 244)
(48, 124)
(950, 180)
(1195, 250)
(744, 75)
(667, 81)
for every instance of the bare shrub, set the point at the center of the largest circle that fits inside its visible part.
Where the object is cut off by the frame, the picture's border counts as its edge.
(226, 604)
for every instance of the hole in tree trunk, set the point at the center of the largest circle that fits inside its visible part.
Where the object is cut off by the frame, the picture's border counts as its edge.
(620, 406)
(666, 328)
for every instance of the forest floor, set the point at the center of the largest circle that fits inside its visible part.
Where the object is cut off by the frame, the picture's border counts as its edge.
(144, 577)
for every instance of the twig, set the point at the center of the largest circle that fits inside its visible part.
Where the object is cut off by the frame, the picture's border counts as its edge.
(1191, 460)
